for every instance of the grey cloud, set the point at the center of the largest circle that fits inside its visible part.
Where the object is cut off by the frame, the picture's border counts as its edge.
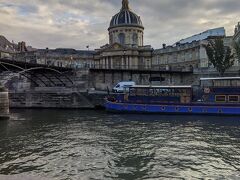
(77, 23)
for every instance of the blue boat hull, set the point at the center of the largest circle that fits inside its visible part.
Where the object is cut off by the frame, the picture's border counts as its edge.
(173, 109)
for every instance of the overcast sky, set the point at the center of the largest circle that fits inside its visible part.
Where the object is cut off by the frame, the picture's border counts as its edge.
(78, 23)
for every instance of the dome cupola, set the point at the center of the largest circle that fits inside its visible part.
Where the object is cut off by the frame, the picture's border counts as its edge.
(125, 17)
(126, 27)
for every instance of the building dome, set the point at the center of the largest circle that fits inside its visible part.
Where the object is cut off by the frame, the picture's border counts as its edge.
(125, 17)
(126, 27)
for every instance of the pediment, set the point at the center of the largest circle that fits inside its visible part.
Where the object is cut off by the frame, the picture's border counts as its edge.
(115, 46)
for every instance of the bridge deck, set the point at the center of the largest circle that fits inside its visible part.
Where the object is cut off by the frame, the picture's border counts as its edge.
(26, 65)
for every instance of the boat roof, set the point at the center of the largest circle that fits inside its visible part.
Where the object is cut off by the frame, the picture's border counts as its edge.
(220, 78)
(149, 86)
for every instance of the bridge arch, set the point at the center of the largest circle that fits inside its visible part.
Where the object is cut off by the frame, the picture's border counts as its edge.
(24, 72)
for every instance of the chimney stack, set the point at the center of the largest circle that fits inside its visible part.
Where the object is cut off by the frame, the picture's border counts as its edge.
(22, 46)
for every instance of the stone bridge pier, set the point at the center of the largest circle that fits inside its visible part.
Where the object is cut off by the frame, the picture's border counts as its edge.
(4, 104)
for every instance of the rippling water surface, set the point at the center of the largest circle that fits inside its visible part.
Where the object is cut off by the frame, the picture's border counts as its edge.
(95, 145)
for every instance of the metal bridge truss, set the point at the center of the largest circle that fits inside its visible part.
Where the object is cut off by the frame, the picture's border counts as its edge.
(39, 76)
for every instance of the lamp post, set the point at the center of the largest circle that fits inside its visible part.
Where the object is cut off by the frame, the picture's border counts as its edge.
(124, 59)
(71, 62)
(88, 58)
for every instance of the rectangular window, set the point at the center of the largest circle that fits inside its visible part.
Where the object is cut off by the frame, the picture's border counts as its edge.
(233, 98)
(234, 83)
(140, 92)
(132, 92)
(220, 98)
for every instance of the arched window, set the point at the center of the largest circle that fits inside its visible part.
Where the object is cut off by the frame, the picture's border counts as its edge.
(135, 38)
(121, 38)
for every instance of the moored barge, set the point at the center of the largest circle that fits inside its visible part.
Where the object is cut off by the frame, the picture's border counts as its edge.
(214, 96)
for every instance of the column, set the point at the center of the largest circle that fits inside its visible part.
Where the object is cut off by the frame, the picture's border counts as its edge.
(130, 62)
(112, 63)
(106, 62)
(122, 63)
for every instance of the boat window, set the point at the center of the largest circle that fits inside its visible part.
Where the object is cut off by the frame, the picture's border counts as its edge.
(140, 92)
(164, 92)
(152, 91)
(157, 92)
(236, 83)
(132, 92)
(226, 83)
(220, 98)
(233, 98)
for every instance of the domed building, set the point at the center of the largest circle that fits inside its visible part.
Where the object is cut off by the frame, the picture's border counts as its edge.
(126, 27)
(125, 55)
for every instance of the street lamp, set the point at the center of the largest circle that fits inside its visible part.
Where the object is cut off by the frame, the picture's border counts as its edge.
(124, 59)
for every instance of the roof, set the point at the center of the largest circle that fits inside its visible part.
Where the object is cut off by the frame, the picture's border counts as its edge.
(217, 32)
(220, 78)
(164, 87)
(125, 17)
(5, 45)
(66, 51)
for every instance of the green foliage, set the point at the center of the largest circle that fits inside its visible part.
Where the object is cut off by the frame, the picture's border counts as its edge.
(220, 56)
(236, 46)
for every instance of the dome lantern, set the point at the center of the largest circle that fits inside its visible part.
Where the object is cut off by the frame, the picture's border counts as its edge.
(125, 5)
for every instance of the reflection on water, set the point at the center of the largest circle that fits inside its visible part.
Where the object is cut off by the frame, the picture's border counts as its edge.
(65, 144)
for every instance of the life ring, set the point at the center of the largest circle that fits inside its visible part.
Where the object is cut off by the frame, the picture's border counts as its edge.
(207, 90)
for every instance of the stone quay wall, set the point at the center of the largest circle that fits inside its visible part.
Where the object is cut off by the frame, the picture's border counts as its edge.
(107, 80)
(4, 105)
(65, 100)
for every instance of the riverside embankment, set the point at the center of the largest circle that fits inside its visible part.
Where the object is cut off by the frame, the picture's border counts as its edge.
(57, 98)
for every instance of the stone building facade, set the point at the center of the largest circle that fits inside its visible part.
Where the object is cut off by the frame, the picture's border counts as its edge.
(7, 49)
(236, 36)
(58, 57)
(5, 54)
(126, 58)
(125, 54)
(190, 53)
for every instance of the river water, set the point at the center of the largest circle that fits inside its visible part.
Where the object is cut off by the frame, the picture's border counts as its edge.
(69, 144)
